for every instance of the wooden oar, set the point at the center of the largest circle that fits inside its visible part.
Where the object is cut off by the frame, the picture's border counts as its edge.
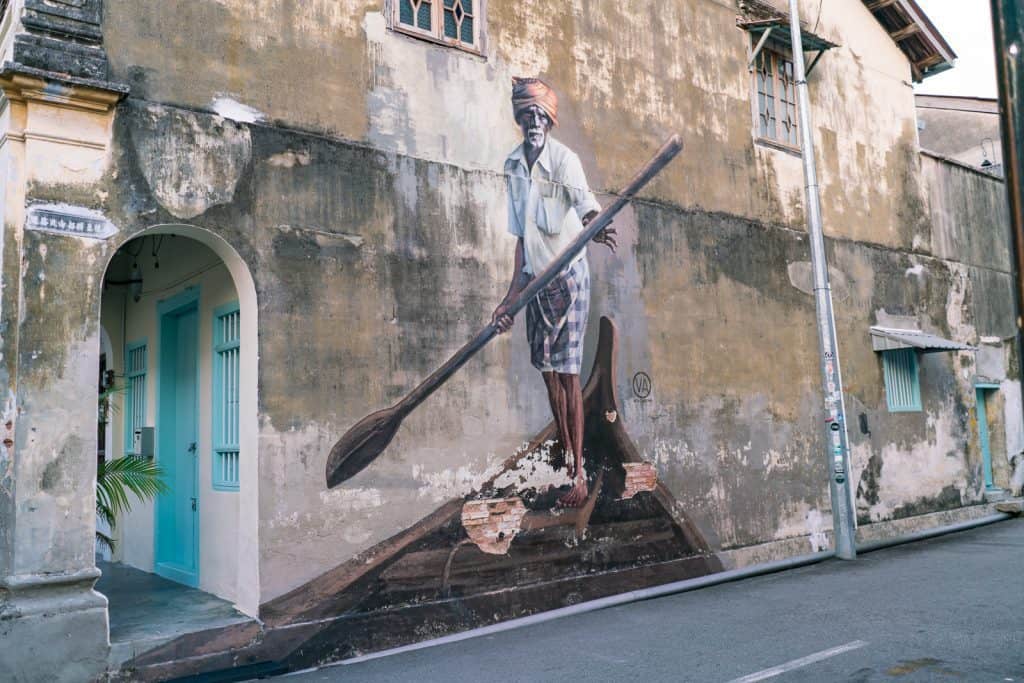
(368, 438)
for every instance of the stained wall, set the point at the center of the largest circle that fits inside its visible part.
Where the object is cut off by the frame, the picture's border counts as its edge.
(369, 206)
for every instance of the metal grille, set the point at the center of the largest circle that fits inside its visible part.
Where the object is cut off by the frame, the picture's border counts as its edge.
(229, 329)
(227, 464)
(135, 373)
(902, 383)
(137, 360)
(226, 394)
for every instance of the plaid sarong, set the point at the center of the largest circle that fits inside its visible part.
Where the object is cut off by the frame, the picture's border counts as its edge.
(557, 318)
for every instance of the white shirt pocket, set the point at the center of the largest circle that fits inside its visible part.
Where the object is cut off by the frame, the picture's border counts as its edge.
(552, 208)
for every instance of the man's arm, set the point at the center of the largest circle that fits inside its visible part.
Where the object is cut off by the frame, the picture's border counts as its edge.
(500, 317)
(584, 201)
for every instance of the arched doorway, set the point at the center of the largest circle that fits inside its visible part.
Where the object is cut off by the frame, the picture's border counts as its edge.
(179, 308)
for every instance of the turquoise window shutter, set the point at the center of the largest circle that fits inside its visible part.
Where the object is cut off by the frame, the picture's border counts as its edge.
(135, 363)
(226, 368)
(902, 380)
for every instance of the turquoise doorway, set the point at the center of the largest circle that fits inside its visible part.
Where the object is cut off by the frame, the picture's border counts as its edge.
(982, 392)
(177, 512)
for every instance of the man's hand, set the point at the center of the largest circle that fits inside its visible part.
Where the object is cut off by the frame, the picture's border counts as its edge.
(501, 319)
(607, 234)
(607, 238)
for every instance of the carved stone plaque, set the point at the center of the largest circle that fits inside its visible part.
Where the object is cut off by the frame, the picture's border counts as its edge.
(65, 219)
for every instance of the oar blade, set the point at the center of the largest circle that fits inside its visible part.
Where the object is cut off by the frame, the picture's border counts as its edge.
(361, 445)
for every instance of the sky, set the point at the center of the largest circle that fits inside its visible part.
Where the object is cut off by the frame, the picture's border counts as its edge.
(967, 27)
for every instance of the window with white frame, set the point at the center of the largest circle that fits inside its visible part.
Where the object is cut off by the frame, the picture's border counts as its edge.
(457, 23)
(775, 86)
(902, 380)
(134, 393)
(226, 349)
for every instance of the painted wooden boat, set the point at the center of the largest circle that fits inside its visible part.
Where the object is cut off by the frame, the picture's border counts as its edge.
(500, 552)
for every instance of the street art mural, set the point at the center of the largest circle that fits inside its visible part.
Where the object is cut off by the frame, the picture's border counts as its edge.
(576, 513)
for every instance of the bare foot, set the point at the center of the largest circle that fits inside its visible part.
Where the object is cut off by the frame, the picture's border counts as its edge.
(576, 496)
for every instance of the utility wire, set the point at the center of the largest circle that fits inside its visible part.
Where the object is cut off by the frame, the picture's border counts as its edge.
(183, 279)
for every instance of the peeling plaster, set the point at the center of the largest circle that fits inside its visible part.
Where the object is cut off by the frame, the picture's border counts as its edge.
(911, 470)
(235, 111)
(290, 159)
(1014, 415)
(917, 271)
(191, 162)
(958, 314)
(804, 520)
(535, 472)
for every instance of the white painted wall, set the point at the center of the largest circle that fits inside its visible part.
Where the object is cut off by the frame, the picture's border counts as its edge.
(184, 263)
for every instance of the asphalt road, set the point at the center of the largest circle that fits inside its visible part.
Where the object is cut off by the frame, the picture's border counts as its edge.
(945, 609)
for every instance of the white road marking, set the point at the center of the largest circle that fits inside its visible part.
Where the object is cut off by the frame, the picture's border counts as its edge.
(797, 663)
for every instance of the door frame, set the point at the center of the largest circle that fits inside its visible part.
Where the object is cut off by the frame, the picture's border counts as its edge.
(106, 349)
(166, 308)
(984, 438)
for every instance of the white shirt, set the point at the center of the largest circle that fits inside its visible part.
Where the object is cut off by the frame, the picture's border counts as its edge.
(545, 205)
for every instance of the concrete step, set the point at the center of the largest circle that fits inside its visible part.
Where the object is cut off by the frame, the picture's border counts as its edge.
(995, 495)
(1013, 506)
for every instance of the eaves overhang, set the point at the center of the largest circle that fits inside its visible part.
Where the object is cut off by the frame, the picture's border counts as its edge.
(909, 27)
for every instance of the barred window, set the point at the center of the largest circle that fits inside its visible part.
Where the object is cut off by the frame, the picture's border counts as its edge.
(451, 22)
(902, 380)
(776, 98)
(226, 366)
(135, 393)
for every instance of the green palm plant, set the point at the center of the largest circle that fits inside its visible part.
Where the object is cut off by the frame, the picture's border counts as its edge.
(118, 480)
(115, 480)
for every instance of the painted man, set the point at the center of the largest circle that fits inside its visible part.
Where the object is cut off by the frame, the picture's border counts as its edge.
(549, 204)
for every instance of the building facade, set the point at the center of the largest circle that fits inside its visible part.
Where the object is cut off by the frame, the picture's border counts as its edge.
(965, 129)
(271, 219)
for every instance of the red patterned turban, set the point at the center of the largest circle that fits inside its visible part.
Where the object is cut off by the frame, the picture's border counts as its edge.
(527, 91)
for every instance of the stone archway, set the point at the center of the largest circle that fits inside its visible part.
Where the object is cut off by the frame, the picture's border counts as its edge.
(241, 583)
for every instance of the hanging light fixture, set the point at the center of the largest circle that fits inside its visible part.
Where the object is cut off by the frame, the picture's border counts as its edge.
(985, 161)
(134, 280)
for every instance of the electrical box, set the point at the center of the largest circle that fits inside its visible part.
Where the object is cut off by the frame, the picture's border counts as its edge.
(142, 442)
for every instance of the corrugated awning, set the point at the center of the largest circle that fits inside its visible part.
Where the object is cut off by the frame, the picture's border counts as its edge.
(777, 29)
(890, 338)
(780, 31)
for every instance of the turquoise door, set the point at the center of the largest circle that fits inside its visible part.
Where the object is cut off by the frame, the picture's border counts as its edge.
(177, 511)
(986, 450)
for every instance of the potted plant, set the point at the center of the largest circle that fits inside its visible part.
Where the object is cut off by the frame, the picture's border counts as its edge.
(118, 480)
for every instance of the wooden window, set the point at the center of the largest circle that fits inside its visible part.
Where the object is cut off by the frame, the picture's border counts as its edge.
(226, 367)
(135, 393)
(451, 22)
(776, 98)
(902, 380)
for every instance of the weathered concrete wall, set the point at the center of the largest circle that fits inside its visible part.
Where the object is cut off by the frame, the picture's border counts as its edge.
(372, 267)
(965, 129)
(622, 86)
(971, 223)
(377, 245)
